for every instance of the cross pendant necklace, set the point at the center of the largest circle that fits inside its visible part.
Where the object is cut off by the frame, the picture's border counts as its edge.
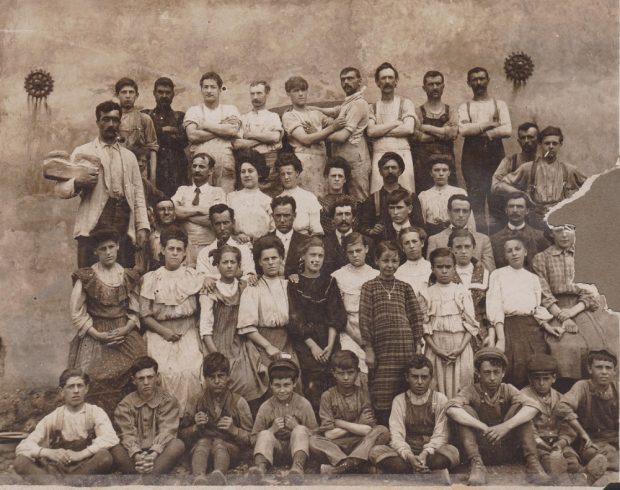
(389, 293)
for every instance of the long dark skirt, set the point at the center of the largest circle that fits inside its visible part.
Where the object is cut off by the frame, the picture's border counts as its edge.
(524, 337)
(107, 366)
(597, 330)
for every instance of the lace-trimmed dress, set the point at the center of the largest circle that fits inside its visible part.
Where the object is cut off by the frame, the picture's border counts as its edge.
(171, 298)
(105, 300)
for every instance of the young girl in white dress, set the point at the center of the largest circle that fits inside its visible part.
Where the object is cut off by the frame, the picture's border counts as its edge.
(449, 326)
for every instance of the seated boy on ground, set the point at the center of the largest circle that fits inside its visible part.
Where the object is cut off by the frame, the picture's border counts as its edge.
(283, 424)
(148, 421)
(493, 420)
(591, 409)
(348, 425)
(223, 424)
(418, 427)
(552, 435)
(72, 440)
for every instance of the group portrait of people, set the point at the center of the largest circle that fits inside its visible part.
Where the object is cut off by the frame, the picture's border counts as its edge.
(315, 287)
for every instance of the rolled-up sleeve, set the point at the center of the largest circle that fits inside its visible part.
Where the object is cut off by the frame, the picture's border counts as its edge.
(328, 421)
(566, 409)
(463, 398)
(37, 439)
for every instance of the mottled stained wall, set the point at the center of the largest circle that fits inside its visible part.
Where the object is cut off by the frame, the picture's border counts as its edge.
(87, 45)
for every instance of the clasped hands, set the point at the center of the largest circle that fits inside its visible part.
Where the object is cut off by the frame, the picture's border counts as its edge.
(282, 423)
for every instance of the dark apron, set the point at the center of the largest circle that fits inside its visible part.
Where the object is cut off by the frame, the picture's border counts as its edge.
(421, 153)
(419, 423)
(479, 161)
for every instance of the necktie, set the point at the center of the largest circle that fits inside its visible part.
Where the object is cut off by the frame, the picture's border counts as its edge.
(196, 200)
(220, 243)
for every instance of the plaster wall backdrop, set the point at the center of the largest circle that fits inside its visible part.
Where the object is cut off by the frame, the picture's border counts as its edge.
(87, 45)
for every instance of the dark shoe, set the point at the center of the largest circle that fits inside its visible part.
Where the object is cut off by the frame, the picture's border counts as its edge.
(535, 472)
(557, 464)
(296, 475)
(347, 465)
(444, 477)
(217, 478)
(596, 468)
(477, 472)
(200, 480)
(256, 474)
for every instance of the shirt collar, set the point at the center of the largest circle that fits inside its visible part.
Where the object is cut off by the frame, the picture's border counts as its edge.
(152, 403)
(398, 227)
(340, 236)
(555, 250)
(285, 236)
(515, 228)
(417, 400)
(103, 144)
(203, 188)
(451, 227)
(73, 412)
(353, 97)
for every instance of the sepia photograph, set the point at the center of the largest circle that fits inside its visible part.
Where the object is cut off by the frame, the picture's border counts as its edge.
(314, 243)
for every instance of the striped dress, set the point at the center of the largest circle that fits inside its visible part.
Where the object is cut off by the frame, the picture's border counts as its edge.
(391, 323)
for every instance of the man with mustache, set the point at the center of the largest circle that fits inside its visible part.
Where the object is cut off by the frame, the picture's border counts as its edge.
(374, 219)
(436, 132)
(546, 180)
(172, 169)
(343, 214)
(527, 137)
(349, 142)
(111, 195)
(192, 203)
(517, 207)
(390, 125)
(262, 131)
(483, 122)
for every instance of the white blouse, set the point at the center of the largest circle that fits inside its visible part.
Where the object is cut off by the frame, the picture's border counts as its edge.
(253, 214)
(514, 292)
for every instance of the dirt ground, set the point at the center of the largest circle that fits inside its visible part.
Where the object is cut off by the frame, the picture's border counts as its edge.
(498, 476)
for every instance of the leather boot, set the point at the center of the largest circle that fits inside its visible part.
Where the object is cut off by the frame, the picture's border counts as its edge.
(257, 472)
(556, 464)
(596, 468)
(535, 472)
(477, 472)
(296, 473)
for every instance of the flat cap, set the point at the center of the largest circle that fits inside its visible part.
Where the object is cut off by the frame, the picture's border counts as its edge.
(490, 353)
(284, 363)
(542, 363)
